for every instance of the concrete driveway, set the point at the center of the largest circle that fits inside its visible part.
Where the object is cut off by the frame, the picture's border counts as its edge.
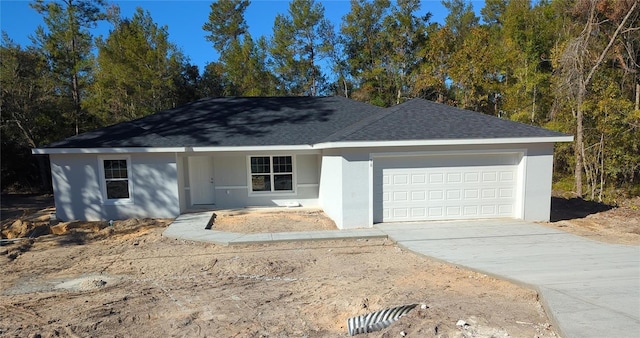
(589, 289)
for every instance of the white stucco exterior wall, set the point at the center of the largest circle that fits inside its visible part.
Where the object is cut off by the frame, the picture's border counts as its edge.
(340, 181)
(230, 174)
(78, 188)
(537, 181)
(353, 177)
(355, 190)
(330, 195)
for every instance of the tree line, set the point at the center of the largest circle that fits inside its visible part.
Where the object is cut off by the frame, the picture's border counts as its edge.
(567, 65)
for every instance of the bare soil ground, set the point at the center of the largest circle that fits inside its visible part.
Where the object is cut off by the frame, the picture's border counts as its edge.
(92, 279)
(266, 221)
(596, 221)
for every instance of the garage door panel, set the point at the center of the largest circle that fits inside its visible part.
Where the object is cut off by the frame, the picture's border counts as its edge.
(507, 176)
(470, 210)
(471, 177)
(400, 196)
(436, 178)
(453, 194)
(436, 195)
(401, 213)
(471, 194)
(506, 193)
(418, 212)
(419, 196)
(440, 188)
(400, 179)
(418, 178)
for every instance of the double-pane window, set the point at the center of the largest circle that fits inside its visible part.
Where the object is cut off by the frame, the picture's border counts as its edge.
(116, 175)
(271, 173)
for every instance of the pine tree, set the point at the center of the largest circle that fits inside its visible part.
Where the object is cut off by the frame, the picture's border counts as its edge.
(137, 68)
(67, 45)
(366, 49)
(243, 61)
(297, 48)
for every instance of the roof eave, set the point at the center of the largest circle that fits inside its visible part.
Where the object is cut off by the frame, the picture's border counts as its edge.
(133, 150)
(324, 145)
(443, 142)
(46, 151)
(251, 148)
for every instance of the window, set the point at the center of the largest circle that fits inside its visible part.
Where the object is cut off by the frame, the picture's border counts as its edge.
(271, 173)
(116, 175)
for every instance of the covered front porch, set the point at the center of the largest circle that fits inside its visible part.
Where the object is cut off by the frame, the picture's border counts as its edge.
(233, 180)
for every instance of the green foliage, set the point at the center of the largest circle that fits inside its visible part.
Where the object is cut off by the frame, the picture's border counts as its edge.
(28, 99)
(405, 33)
(461, 18)
(28, 114)
(366, 50)
(566, 65)
(67, 44)
(299, 43)
(136, 70)
(242, 70)
(226, 23)
(432, 73)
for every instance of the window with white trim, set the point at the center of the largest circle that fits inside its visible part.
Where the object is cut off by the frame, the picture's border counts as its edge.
(116, 175)
(271, 173)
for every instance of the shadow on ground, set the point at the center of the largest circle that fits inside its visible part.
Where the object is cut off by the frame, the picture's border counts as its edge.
(563, 209)
(13, 206)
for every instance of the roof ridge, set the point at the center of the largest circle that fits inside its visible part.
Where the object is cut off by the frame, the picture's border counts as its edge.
(354, 127)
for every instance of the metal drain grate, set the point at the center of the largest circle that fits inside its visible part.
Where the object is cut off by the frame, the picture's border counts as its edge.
(376, 321)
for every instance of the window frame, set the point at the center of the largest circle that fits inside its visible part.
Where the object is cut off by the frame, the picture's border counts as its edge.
(103, 180)
(271, 175)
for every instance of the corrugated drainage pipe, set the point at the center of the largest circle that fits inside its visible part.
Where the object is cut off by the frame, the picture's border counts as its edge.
(376, 321)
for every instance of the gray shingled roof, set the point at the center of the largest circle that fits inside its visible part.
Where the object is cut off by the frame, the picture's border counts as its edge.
(259, 121)
(231, 121)
(420, 119)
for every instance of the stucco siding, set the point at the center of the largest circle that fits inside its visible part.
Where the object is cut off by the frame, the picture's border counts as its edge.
(308, 172)
(538, 180)
(155, 187)
(341, 181)
(534, 185)
(330, 194)
(78, 188)
(232, 188)
(355, 190)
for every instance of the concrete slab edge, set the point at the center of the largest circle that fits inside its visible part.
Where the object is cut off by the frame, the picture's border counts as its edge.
(233, 238)
(303, 237)
(536, 288)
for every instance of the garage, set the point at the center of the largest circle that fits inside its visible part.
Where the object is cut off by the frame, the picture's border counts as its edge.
(446, 187)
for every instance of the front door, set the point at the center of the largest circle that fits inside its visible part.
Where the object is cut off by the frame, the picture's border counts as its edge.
(201, 180)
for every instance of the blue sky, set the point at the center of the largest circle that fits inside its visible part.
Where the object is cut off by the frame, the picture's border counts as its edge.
(184, 20)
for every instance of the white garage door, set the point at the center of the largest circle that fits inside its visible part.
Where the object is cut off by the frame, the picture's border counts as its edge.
(445, 187)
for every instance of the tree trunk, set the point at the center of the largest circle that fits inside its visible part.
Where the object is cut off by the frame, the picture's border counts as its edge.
(346, 89)
(582, 93)
(601, 167)
(578, 151)
(637, 96)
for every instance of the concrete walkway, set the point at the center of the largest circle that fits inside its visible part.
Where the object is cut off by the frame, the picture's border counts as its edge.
(192, 227)
(589, 289)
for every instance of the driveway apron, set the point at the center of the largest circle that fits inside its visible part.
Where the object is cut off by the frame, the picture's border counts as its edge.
(589, 288)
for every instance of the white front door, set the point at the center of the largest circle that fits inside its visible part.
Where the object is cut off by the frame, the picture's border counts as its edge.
(446, 187)
(201, 180)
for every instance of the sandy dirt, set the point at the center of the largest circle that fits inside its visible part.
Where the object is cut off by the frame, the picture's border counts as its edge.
(616, 225)
(262, 220)
(90, 279)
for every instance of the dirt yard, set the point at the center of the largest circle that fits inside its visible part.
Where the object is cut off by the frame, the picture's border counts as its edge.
(616, 225)
(92, 279)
